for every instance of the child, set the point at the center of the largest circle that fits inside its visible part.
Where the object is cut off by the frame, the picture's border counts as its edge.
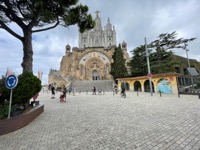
(62, 98)
(35, 97)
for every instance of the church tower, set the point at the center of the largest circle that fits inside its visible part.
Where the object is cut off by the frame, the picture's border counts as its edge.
(91, 60)
(98, 37)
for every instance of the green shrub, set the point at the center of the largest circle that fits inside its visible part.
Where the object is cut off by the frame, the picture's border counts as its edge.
(4, 110)
(4, 92)
(28, 86)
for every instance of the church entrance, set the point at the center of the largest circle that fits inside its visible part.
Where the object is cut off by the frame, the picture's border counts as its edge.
(95, 75)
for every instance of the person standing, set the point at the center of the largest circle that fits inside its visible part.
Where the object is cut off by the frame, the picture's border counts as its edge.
(52, 92)
(74, 90)
(115, 88)
(65, 93)
(94, 90)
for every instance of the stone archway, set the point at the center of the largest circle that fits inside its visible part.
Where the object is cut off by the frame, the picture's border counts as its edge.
(96, 66)
(147, 86)
(95, 75)
(137, 86)
(125, 85)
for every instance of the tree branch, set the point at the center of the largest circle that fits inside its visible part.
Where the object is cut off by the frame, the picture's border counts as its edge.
(3, 26)
(57, 23)
(20, 10)
(15, 18)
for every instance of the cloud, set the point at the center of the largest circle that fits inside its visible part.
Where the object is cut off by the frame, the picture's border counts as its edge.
(133, 20)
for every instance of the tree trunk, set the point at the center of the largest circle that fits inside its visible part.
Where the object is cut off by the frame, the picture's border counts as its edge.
(27, 63)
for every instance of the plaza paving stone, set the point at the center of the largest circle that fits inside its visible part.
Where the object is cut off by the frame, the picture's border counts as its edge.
(110, 122)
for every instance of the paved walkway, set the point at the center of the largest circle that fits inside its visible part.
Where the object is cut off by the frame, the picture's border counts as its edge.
(107, 122)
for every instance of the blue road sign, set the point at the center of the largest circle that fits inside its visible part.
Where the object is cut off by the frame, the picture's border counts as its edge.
(11, 81)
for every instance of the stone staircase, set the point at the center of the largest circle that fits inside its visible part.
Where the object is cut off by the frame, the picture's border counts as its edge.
(87, 85)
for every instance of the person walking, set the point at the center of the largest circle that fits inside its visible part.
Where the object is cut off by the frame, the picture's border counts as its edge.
(123, 94)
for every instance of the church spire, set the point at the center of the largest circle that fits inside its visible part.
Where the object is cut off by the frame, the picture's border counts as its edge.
(108, 25)
(98, 22)
(108, 21)
(97, 14)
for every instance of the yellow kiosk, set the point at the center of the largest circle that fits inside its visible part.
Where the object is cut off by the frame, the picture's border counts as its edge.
(165, 83)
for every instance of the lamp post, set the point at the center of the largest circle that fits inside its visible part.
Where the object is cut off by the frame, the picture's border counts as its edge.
(148, 65)
(186, 50)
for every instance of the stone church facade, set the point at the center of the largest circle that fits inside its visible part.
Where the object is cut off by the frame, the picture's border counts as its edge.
(92, 59)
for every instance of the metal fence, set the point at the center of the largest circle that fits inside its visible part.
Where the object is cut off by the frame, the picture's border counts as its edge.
(189, 85)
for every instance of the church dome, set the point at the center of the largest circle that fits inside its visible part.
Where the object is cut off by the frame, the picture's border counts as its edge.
(68, 48)
(123, 44)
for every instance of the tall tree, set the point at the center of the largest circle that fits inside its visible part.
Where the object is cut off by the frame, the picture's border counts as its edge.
(39, 15)
(118, 68)
(138, 63)
(162, 59)
(168, 41)
(162, 62)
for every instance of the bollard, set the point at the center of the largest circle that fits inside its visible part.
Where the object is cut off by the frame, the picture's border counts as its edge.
(87, 92)
(73, 93)
(178, 94)
(137, 93)
(199, 95)
(160, 93)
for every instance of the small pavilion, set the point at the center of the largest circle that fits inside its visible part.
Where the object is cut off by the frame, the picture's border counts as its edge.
(165, 83)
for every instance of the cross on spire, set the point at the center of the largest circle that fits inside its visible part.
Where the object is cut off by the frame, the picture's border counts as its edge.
(97, 12)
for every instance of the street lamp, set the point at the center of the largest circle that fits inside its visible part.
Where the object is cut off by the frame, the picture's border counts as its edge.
(148, 65)
(186, 50)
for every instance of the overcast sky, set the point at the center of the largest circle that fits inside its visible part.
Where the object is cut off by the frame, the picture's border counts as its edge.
(133, 20)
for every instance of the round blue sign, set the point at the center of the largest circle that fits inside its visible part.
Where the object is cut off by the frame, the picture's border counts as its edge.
(11, 81)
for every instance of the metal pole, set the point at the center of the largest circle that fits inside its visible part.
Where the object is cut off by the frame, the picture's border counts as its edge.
(10, 103)
(186, 50)
(148, 65)
(177, 84)
(187, 57)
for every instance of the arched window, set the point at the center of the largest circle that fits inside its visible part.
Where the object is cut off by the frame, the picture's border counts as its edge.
(81, 70)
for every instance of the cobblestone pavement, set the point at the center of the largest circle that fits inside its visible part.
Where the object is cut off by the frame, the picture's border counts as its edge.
(110, 122)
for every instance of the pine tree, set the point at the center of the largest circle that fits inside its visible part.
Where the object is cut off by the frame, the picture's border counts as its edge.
(138, 63)
(162, 59)
(33, 16)
(118, 68)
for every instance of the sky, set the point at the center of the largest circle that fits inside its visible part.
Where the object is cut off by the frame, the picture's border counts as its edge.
(133, 20)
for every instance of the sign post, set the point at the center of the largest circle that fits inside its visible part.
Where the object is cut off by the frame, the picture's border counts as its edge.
(148, 65)
(11, 82)
(149, 75)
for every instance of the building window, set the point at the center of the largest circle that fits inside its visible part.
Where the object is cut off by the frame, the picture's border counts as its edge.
(185, 72)
(81, 70)
(177, 69)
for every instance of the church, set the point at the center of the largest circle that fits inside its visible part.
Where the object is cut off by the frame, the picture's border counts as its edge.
(92, 59)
